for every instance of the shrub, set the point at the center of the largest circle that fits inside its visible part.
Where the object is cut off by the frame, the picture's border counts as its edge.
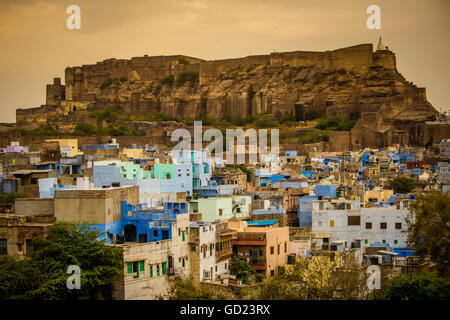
(334, 123)
(167, 80)
(160, 116)
(419, 287)
(85, 129)
(10, 198)
(183, 60)
(187, 76)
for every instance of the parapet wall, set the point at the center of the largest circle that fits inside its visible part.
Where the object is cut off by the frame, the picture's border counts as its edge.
(87, 78)
(210, 70)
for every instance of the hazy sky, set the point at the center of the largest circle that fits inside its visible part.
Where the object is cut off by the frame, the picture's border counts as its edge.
(36, 46)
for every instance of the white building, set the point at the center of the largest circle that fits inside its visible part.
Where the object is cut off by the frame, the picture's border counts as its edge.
(204, 253)
(357, 227)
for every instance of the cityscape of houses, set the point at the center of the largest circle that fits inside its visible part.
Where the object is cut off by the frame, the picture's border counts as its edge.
(181, 214)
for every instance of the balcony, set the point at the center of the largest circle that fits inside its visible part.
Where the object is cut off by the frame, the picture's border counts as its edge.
(249, 242)
(258, 264)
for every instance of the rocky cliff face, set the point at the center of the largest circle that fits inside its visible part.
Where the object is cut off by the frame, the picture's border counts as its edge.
(349, 82)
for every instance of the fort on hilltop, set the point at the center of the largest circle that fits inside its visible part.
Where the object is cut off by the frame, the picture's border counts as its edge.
(343, 82)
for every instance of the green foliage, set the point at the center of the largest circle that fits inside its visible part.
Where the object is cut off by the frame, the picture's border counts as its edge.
(287, 119)
(189, 121)
(278, 288)
(249, 69)
(85, 129)
(10, 198)
(310, 279)
(206, 119)
(187, 76)
(188, 290)
(41, 132)
(168, 80)
(334, 123)
(43, 276)
(262, 120)
(311, 115)
(417, 287)
(241, 269)
(402, 185)
(183, 60)
(107, 115)
(429, 229)
(313, 136)
(160, 116)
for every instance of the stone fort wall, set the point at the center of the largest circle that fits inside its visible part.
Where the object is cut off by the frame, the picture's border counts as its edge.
(87, 78)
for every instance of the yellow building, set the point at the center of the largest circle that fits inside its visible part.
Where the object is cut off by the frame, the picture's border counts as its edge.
(68, 147)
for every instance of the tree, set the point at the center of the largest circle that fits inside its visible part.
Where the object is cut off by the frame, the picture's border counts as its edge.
(188, 290)
(429, 228)
(241, 269)
(43, 276)
(317, 278)
(419, 287)
(402, 185)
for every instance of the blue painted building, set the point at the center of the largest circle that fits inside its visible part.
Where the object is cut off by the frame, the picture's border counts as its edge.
(140, 224)
(326, 190)
(304, 210)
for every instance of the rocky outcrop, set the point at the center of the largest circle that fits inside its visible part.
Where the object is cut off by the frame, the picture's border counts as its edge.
(348, 82)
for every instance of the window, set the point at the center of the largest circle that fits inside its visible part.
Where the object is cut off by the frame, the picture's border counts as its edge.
(157, 270)
(183, 264)
(187, 230)
(129, 268)
(164, 268)
(135, 269)
(331, 223)
(216, 268)
(368, 225)
(20, 247)
(151, 271)
(182, 236)
(398, 225)
(220, 212)
(272, 273)
(354, 220)
(155, 233)
(272, 250)
(179, 232)
(384, 241)
(141, 266)
(3, 246)
(285, 246)
(395, 241)
(383, 225)
(278, 249)
(366, 241)
(238, 210)
(226, 266)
